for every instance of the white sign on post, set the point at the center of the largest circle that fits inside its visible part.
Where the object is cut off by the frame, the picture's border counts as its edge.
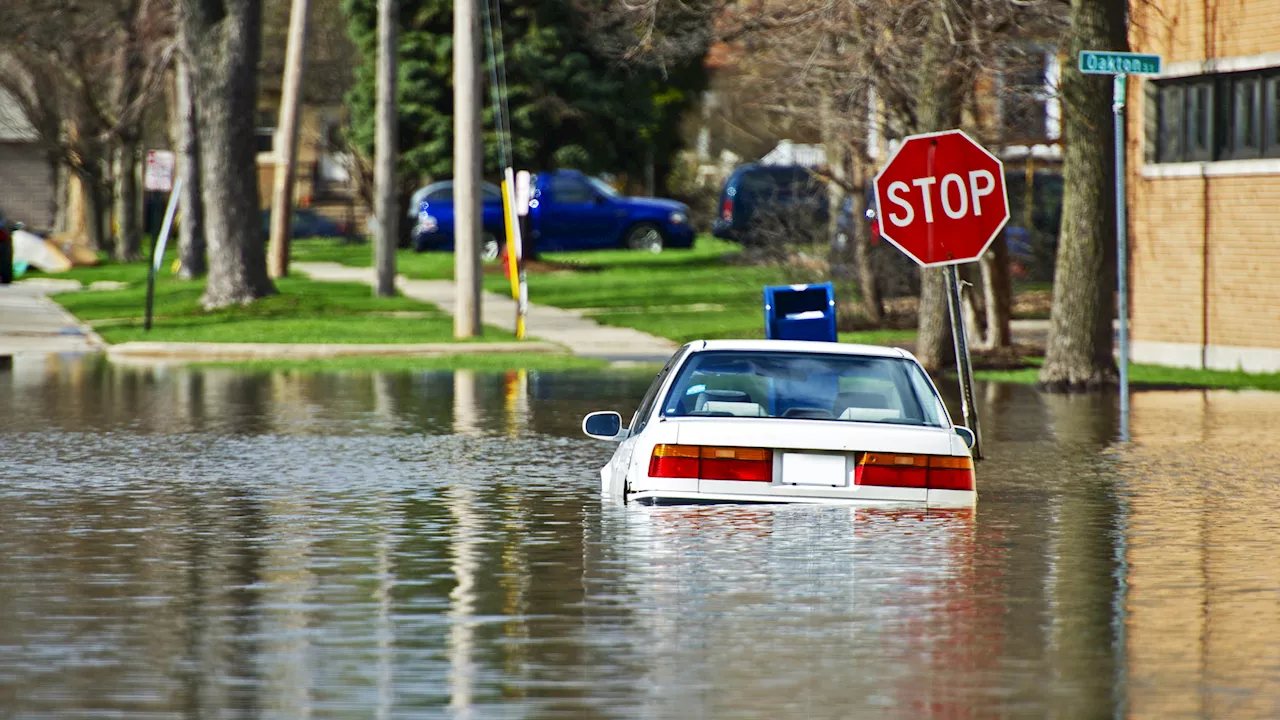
(159, 171)
(522, 193)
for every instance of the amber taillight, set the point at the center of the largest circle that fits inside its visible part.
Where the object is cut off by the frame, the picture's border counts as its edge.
(711, 463)
(935, 472)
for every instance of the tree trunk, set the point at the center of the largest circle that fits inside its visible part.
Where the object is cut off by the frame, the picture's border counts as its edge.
(222, 38)
(61, 195)
(94, 211)
(837, 161)
(191, 245)
(937, 108)
(127, 208)
(1079, 356)
(860, 237)
(287, 141)
(997, 295)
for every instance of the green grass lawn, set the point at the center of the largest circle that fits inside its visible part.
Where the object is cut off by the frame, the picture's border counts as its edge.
(419, 266)
(304, 311)
(683, 295)
(1154, 376)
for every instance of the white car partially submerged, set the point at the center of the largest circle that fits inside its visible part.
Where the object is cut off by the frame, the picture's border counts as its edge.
(788, 421)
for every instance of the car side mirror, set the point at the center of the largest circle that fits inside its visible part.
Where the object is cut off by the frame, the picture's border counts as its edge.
(604, 426)
(601, 200)
(967, 435)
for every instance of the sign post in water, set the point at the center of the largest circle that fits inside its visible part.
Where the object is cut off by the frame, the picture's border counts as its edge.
(1118, 65)
(941, 199)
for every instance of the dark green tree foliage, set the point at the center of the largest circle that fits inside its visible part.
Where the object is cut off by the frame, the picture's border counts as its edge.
(570, 106)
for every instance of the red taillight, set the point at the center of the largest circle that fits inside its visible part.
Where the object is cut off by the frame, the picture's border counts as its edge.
(935, 472)
(726, 211)
(674, 461)
(711, 463)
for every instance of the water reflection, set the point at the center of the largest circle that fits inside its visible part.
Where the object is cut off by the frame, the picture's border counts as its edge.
(432, 544)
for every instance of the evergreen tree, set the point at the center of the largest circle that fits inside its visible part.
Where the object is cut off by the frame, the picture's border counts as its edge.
(570, 106)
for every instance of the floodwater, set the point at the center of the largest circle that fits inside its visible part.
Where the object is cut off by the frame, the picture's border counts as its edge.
(205, 544)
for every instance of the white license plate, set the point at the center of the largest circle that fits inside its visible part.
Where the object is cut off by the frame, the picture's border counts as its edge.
(811, 469)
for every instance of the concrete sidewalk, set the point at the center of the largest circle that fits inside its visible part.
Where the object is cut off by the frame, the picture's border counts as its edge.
(180, 352)
(581, 335)
(32, 323)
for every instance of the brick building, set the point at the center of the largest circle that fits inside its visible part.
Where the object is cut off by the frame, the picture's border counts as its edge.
(1204, 185)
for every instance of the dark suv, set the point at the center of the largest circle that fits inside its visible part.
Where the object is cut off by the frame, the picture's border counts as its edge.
(755, 192)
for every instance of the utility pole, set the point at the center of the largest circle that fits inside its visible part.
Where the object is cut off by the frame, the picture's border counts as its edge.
(466, 169)
(287, 141)
(385, 208)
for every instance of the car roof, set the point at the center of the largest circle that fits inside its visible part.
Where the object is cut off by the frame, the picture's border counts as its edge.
(449, 183)
(801, 346)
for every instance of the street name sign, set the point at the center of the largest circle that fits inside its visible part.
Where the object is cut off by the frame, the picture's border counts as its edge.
(1103, 62)
(941, 198)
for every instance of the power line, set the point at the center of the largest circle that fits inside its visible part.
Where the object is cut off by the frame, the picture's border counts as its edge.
(495, 90)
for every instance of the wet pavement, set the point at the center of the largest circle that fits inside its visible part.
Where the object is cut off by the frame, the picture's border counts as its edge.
(32, 323)
(180, 543)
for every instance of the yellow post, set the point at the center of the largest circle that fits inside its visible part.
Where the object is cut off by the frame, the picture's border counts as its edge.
(513, 261)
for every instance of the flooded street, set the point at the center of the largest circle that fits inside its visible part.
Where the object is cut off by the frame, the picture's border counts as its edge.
(179, 543)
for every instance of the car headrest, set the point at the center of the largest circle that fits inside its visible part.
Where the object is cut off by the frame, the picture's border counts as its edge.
(870, 414)
(861, 400)
(730, 396)
(737, 409)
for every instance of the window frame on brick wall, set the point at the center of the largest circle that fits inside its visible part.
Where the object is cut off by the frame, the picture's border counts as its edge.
(1221, 116)
(1271, 115)
(264, 132)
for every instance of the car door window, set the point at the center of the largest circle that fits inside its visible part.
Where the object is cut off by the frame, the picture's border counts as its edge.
(651, 397)
(571, 190)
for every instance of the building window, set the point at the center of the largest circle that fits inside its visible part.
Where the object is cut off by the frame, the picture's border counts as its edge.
(1171, 114)
(1228, 116)
(1271, 115)
(1246, 117)
(1199, 117)
(264, 131)
(1026, 86)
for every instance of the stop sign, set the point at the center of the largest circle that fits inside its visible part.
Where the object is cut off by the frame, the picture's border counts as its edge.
(941, 198)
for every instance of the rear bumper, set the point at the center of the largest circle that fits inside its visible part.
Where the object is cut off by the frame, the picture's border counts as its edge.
(423, 241)
(723, 229)
(667, 497)
(936, 499)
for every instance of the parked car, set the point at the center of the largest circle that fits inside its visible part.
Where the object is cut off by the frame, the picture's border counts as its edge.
(567, 211)
(308, 224)
(788, 421)
(431, 218)
(753, 190)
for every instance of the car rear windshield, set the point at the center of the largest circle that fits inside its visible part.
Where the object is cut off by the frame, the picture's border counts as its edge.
(811, 386)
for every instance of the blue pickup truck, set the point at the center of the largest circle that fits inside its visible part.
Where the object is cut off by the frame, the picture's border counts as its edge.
(567, 211)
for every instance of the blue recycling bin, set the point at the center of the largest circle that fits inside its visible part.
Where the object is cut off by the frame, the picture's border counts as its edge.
(800, 312)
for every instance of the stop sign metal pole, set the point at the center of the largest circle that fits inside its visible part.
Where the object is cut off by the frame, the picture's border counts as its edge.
(964, 366)
(962, 173)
